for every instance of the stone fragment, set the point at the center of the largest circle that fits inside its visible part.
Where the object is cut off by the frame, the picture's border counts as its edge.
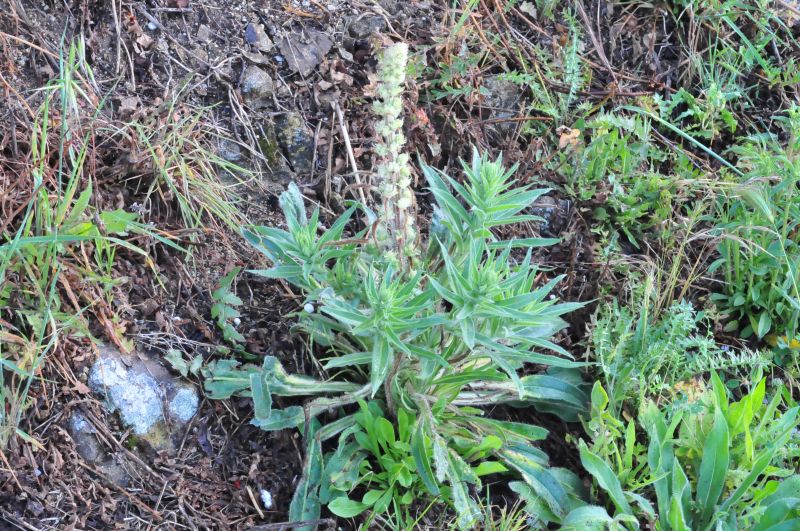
(257, 87)
(255, 36)
(305, 50)
(204, 34)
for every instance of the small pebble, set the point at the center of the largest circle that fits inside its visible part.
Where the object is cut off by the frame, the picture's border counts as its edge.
(152, 26)
(309, 308)
(266, 499)
(237, 321)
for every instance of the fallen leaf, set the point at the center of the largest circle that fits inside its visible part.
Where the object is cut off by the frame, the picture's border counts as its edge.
(569, 137)
(529, 9)
(420, 119)
(81, 388)
(145, 41)
(131, 24)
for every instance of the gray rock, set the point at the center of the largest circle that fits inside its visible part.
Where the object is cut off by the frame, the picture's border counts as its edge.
(91, 450)
(204, 34)
(85, 437)
(115, 471)
(363, 27)
(255, 35)
(389, 5)
(296, 140)
(257, 87)
(503, 99)
(230, 151)
(305, 50)
(148, 399)
(554, 212)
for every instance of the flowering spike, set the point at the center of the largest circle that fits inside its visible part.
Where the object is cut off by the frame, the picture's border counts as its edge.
(396, 230)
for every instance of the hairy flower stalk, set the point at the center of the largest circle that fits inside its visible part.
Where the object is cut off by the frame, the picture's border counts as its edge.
(396, 230)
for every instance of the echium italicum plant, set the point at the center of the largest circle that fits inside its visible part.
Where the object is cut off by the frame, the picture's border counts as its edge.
(417, 346)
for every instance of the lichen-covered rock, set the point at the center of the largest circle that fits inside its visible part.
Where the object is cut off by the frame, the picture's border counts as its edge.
(135, 395)
(503, 99)
(148, 399)
(297, 141)
(279, 170)
(183, 405)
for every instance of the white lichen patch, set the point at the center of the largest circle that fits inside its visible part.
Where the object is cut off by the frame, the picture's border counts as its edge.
(139, 394)
(183, 405)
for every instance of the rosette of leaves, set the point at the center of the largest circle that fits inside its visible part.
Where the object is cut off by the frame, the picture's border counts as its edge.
(468, 326)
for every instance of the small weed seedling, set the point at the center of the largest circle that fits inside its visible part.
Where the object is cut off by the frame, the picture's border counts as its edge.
(224, 308)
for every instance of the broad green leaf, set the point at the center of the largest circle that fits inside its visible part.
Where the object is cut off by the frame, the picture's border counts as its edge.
(466, 509)
(764, 325)
(758, 200)
(224, 379)
(280, 419)
(677, 515)
(262, 399)
(599, 397)
(175, 358)
(305, 503)
(371, 497)
(79, 208)
(759, 466)
(534, 504)
(385, 431)
(780, 515)
(527, 243)
(279, 271)
(532, 464)
(489, 467)
(713, 467)
(605, 478)
(343, 507)
(381, 363)
(347, 360)
(589, 515)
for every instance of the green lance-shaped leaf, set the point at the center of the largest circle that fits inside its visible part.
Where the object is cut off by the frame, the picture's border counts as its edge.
(713, 467)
